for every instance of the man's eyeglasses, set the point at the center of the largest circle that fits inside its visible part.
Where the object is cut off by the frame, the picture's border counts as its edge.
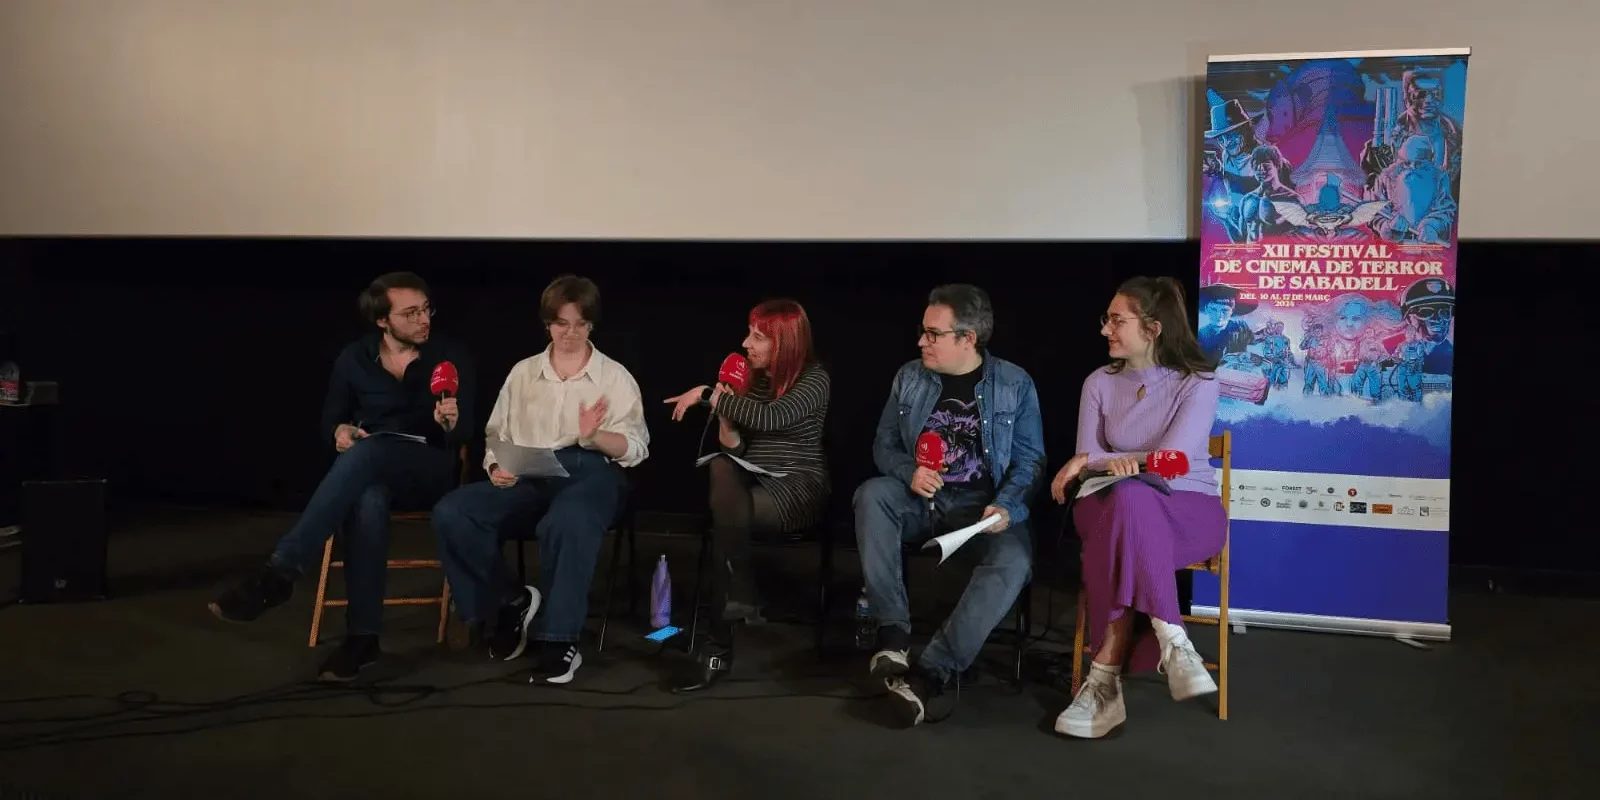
(417, 314)
(561, 324)
(933, 335)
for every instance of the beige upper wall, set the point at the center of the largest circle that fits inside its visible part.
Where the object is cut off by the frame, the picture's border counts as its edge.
(717, 118)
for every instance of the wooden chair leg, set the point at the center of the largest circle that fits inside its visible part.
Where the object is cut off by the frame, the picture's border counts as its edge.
(1077, 645)
(1222, 649)
(322, 593)
(444, 610)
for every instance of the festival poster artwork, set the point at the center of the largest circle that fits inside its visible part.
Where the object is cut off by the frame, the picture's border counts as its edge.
(1330, 187)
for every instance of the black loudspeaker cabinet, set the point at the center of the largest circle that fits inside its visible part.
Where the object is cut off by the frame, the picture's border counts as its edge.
(63, 541)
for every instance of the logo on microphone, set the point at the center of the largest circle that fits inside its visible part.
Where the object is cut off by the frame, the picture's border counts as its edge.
(445, 381)
(735, 372)
(930, 451)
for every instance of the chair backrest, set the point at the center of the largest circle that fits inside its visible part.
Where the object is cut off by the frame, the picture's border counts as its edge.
(1221, 446)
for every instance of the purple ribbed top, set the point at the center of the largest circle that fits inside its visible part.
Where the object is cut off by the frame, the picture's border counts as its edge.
(1176, 413)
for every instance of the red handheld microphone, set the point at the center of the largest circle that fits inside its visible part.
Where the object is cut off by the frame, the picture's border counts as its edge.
(735, 372)
(930, 454)
(445, 381)
(1168, 464)
(930, 451)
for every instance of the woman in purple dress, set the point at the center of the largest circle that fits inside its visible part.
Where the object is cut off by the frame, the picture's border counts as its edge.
(1158, 393)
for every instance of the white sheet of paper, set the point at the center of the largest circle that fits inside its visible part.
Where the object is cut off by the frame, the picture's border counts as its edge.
(407, 436)
(528, 462)
(741, 462)
(1092, 485)
(952, 541)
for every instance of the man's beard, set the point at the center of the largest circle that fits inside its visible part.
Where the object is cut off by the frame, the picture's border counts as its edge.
(409, 339)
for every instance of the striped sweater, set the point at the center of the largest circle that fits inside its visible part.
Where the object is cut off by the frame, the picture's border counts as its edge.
(785, 435)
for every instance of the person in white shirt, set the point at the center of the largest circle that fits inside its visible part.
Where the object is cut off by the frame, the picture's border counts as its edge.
(573, 399)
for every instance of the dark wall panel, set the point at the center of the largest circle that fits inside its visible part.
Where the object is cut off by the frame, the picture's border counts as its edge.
(193, 369)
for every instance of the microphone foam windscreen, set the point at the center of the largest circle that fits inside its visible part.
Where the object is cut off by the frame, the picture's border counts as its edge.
(735, 372)
(445, 379)
(930, 451)
(1168, 464)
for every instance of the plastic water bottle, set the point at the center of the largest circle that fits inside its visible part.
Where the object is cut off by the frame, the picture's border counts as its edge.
(866, 625)
(10, 376)
(661, 596)
(10, 383)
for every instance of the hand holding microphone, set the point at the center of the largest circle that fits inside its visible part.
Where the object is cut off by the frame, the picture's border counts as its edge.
(444, 384)
(1168, 464)
(930, 462)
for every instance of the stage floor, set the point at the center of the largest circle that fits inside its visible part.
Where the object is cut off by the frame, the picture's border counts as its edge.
(147, 695)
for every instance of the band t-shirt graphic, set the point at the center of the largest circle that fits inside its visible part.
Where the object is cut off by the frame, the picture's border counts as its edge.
(955, 419)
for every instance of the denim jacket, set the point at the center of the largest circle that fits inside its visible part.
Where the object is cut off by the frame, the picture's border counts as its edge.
(1013, 433)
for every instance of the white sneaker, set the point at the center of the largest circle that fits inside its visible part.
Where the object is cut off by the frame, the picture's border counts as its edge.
(1096, 711)
(1186, 672)
(890, 663)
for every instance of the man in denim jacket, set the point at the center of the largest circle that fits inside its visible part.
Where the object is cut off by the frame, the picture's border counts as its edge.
(986, 412)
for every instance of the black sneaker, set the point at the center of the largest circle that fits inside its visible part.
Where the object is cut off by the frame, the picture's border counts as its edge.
(251, 597)
(354, 654)
(919, 697)
(510, 637)
(558, 663)
(893, 658)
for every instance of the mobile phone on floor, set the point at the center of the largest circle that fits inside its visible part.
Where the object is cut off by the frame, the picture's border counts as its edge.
(664, 634)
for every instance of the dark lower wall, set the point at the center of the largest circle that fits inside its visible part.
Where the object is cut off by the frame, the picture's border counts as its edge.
(193, 370)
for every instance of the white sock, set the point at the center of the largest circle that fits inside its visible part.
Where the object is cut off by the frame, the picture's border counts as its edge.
(1167, 633)
(1104, 673)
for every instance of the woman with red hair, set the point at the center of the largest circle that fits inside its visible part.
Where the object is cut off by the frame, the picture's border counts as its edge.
(776, 425)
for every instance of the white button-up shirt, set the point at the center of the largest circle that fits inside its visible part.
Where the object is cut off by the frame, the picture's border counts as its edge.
(536, 408)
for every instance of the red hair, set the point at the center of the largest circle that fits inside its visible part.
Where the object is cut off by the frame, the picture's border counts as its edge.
(785, 323)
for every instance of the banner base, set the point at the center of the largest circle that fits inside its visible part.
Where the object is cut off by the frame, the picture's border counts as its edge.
(1430, 631)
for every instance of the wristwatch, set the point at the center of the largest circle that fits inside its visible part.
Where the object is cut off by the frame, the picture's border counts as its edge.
(705, 396)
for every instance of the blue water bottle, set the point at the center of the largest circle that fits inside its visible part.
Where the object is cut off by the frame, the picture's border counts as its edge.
(866, 626)
(661, 596)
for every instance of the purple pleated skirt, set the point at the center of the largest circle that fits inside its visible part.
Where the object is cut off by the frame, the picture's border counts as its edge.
(1135, 539)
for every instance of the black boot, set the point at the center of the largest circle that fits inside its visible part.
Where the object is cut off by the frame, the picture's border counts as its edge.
(713, 660)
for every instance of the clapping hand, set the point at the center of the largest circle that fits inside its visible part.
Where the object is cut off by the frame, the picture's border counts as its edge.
(590, 417)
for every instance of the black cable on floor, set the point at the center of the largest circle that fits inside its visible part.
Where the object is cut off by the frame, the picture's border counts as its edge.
(138, 707)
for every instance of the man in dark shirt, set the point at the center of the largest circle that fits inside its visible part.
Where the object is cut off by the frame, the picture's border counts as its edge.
(397, 445)
(987, 412)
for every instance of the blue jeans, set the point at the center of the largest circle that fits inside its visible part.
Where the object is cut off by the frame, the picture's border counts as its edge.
(889, 515)
(569, 517)
(357, 493)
